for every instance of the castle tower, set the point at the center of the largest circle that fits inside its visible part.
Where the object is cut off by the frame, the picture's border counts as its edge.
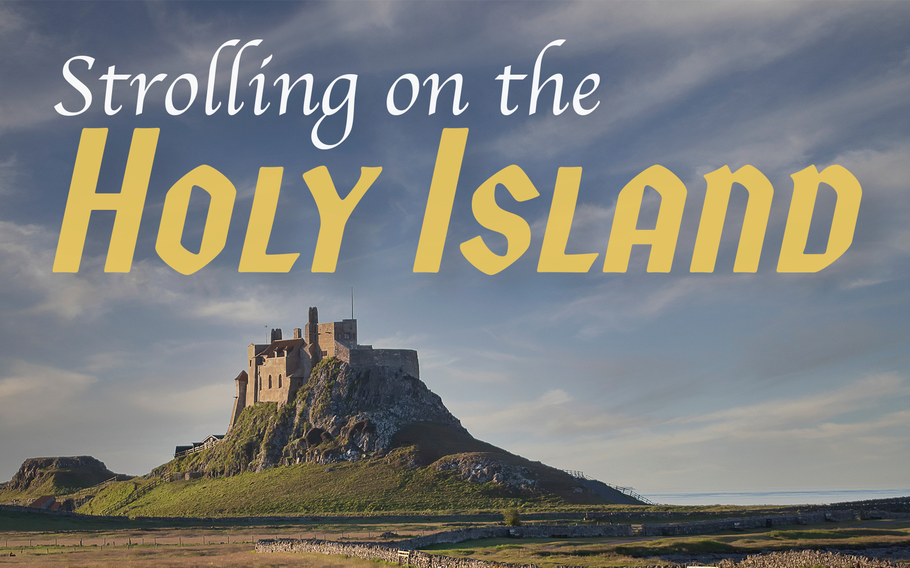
(239, 400)
(313, 336)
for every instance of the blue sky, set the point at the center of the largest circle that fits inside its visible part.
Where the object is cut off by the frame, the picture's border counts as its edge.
(666, 382)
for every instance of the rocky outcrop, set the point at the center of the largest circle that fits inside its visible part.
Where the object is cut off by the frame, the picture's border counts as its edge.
(484, 468)
(343, 413)
(62, 473)
(363, 408)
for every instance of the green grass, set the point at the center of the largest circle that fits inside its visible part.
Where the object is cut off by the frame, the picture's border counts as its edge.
(676, 546)
(836, 534)
(376, 485)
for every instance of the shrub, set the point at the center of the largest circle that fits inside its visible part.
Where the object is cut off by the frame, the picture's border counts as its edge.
(512, 517)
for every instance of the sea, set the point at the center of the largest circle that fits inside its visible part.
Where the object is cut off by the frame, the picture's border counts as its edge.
(777, 496)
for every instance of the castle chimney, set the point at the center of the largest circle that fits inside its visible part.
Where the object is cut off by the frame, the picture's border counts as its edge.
(276, 334)
(298, 334)
(313, 339)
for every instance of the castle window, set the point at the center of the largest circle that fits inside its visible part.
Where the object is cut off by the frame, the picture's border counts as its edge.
(279, 381)
(270, 381)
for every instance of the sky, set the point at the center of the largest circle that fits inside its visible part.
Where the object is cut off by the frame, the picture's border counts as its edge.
(666, 382)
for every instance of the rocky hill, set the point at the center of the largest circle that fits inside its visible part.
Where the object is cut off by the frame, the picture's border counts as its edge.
(57, 476)
(347, 414)
(362, 438)
(341, 414)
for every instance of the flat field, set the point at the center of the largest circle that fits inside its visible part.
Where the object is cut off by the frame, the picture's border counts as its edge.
(229, 556)
(644, 551)
(102, 543)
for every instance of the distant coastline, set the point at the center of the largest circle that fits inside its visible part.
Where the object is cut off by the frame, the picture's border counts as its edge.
(777, 496)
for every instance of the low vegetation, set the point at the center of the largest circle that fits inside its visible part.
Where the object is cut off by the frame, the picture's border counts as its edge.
(376, 485)
(512, 518)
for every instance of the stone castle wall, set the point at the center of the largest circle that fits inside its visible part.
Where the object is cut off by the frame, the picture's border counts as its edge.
(271, 366)
(405, 359)
(332, 335)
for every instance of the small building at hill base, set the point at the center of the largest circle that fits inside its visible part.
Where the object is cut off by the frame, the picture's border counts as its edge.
(209, 441)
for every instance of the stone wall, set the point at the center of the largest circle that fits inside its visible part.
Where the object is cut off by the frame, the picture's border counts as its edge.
(742, 523)
(385, 552)
(528, 531)
(332, 335)
(374, 552)
(405, 551)
(343, 352)
(405, 359)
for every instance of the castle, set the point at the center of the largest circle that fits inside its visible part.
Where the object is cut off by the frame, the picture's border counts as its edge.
(277, 370)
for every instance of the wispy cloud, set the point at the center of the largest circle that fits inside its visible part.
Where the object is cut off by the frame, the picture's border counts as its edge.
(794, 414)
(199, 401)
(31, 391)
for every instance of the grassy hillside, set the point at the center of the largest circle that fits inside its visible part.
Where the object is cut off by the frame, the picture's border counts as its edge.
(238, 451)
(365, 486)
(46, 485)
